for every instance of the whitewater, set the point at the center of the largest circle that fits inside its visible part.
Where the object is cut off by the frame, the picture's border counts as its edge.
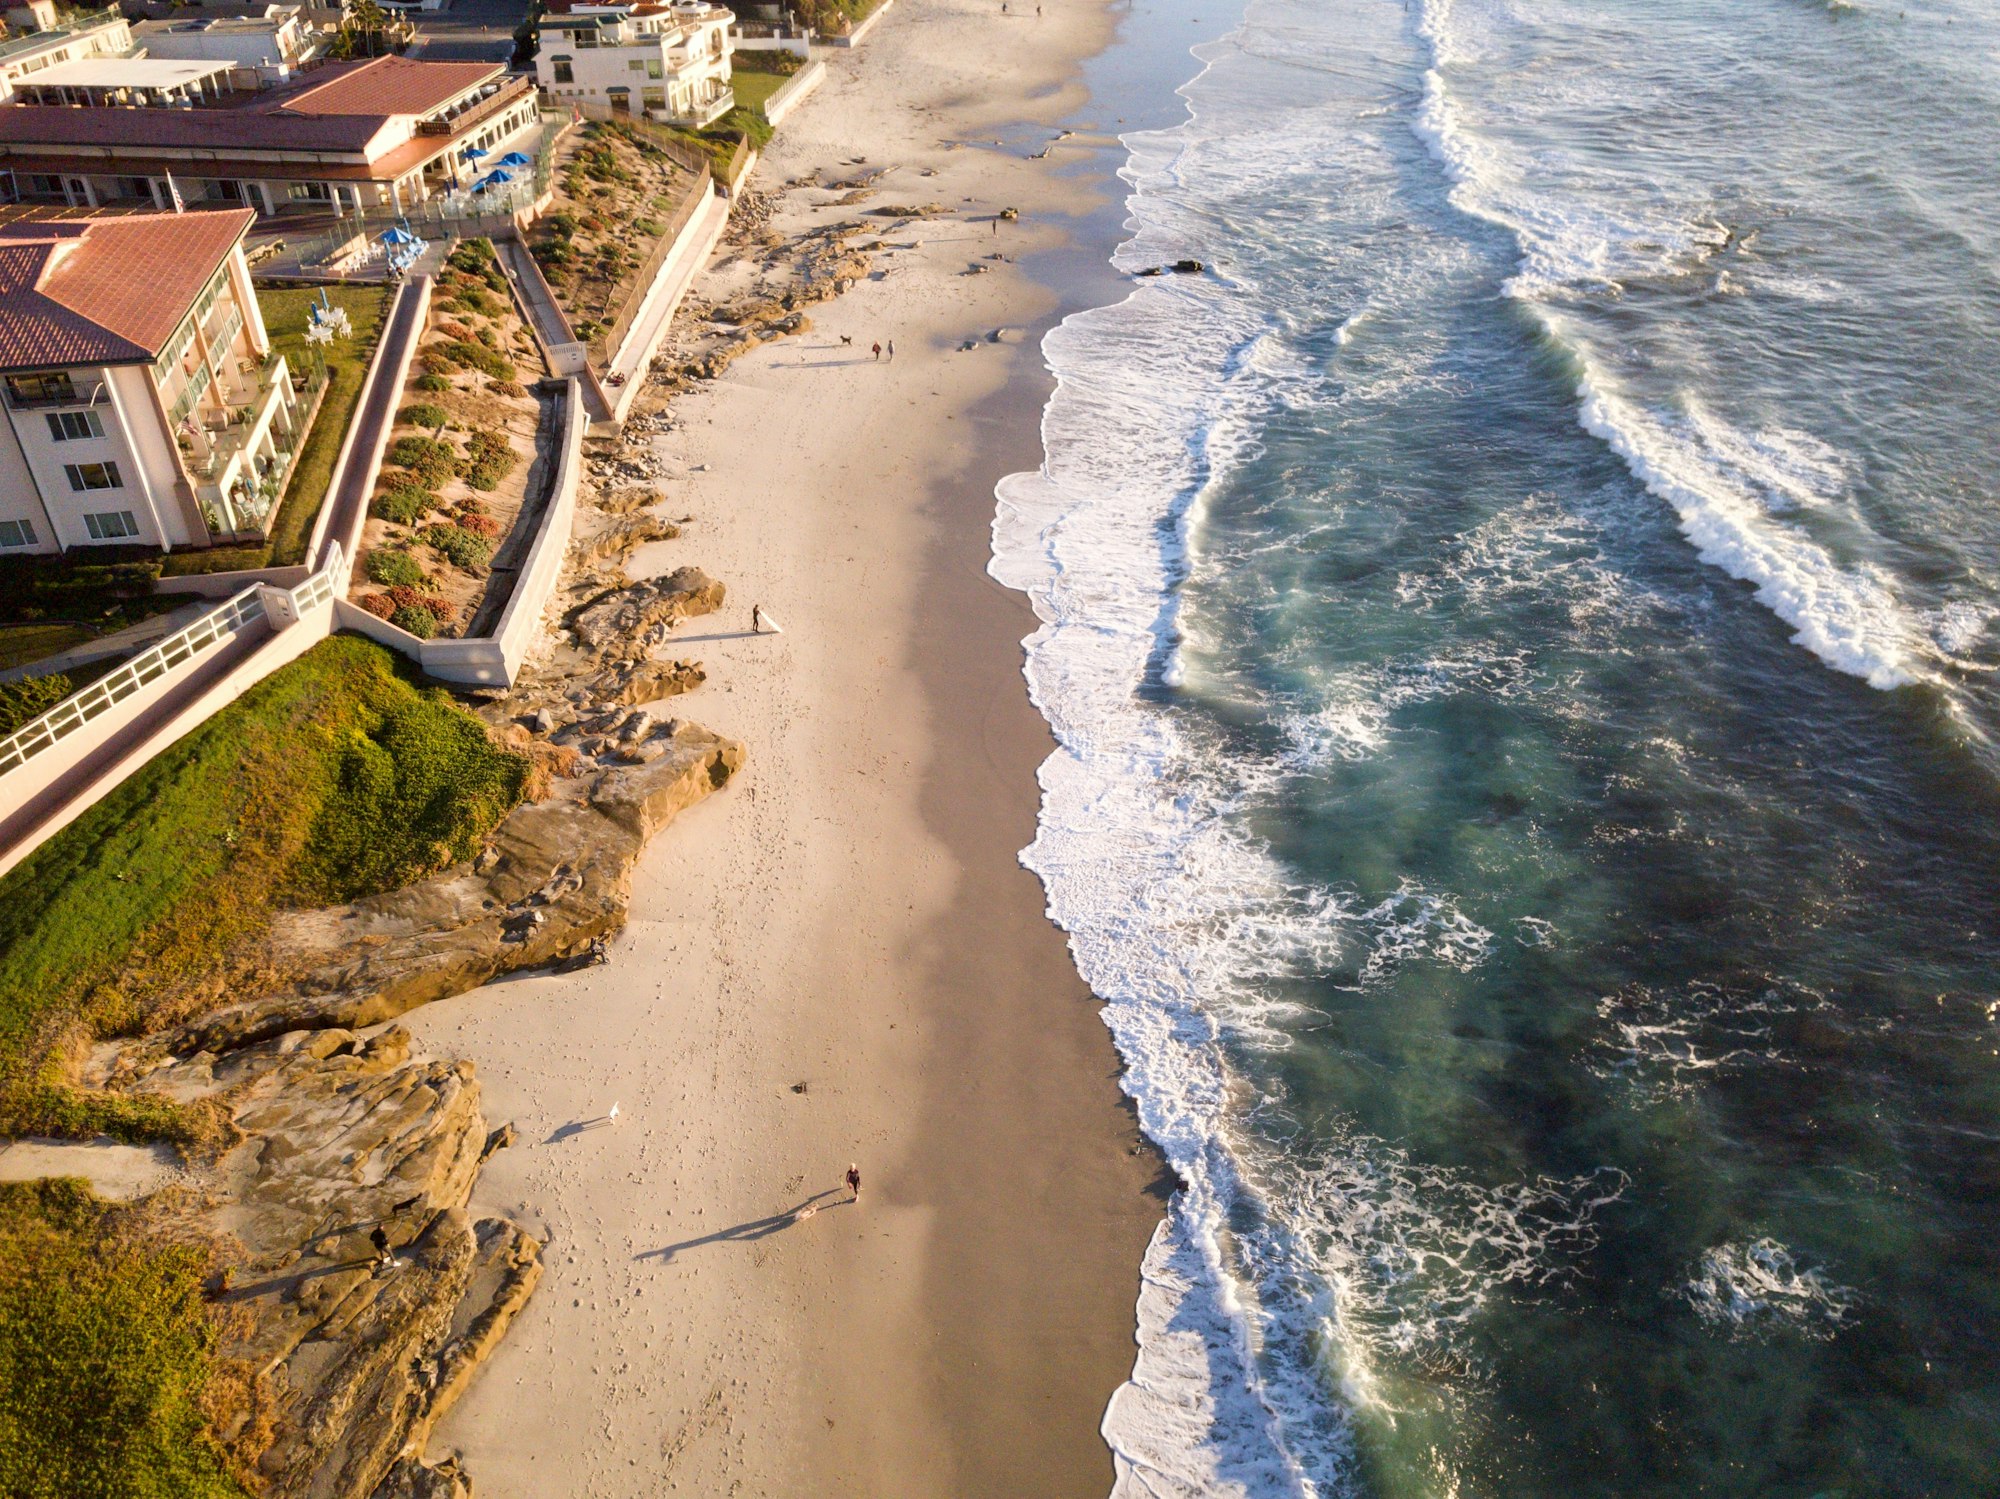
(1517, 633)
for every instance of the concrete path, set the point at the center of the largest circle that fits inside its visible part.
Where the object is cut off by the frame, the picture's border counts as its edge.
(374, 415)
(125, 642)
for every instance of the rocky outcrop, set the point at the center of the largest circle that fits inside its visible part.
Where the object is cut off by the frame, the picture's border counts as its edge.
(342, 1136)
(618, 624)
(340, 1131)
(556, 875)
(622, 538)
(647, 681)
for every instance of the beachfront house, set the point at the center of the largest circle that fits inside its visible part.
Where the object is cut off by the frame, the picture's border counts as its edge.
(267, 49)
(670, 63)
(40, 41)
(142, 408)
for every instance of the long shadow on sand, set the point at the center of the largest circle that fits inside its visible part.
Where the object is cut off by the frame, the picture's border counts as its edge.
(756, 1228)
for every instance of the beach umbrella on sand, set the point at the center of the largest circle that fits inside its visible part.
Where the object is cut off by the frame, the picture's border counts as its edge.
(514, 159)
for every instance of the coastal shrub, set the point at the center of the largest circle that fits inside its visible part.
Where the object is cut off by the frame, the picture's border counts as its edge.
(562, 223)
(419, 622)
(507, 387)
(480, 525)
(386, 565)
(107, 1353)
(126, 919)
(489, 459)
(418, 794)
(432, 461)
(405, 596)
(23, 702)
(435, 361)
(451, 328)
(458, 546)
(477, 356)
(650, 228)
(431, 384)
(477, 259)
(405, 505)
(378, 604)
(423, 414)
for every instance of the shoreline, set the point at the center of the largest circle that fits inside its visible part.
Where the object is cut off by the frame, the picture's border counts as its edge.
(840, 957)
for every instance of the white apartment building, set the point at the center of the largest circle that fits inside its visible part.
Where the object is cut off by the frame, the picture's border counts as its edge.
(141, 409)
(670, 63)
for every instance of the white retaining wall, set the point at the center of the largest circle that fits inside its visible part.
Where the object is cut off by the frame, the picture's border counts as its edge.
(853, 38)
(494, 660)
(793, 94)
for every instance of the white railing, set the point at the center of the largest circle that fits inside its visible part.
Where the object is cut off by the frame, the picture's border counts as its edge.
(101, 696)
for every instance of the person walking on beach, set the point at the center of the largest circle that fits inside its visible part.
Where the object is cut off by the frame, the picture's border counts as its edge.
(853, 1182)
(380, 1239)
(757, 619)
(892, 351)
(878, 352)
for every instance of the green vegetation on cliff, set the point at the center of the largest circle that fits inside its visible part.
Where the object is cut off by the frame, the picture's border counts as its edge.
(336, 777)
(107, 1373)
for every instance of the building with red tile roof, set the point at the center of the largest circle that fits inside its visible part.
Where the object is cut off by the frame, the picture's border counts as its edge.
(349, 137)
(143, 402)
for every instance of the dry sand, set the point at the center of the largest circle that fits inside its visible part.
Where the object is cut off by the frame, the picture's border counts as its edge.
(839, 958)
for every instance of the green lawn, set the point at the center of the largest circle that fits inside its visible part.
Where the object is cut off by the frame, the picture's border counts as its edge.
(285, 313)
(752, 89)
(333, 778)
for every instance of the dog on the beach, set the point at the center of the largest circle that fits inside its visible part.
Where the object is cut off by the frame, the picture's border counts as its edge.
(847, 340)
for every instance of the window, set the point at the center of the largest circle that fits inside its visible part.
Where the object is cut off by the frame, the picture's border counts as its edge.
(87, 476)
(636, 65)
(69, 426)
(111, 525)
(564, 73)
(655, 68)
(17, 533)
(656, 98)
(42, 389)
(585, 39)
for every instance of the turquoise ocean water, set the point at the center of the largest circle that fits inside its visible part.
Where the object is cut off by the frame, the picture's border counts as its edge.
(1520, 630)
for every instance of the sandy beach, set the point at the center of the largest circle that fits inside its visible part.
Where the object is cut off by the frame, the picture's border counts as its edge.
(839, 958)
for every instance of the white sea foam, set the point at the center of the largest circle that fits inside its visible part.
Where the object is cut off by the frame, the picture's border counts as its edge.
(1760, 1289)
(1582, 235)
(1277, 1278)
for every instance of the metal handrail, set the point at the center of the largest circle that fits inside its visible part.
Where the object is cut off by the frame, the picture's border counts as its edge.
(178, 649)
(101, 696)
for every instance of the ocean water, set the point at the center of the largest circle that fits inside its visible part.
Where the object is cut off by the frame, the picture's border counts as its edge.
(1520, 630)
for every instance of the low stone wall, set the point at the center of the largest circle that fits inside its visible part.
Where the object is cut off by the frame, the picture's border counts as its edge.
(793, 94)
(228, 585)
(494, 660)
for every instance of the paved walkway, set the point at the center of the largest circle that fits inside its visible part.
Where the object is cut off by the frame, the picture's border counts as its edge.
(374, 415)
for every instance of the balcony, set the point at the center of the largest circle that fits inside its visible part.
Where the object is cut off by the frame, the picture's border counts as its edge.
(699, 115)
(240, 465)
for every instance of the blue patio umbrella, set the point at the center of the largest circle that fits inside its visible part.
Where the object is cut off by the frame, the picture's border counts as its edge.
(397, 236)
(495, 179)
(514, 159)
(472, 153)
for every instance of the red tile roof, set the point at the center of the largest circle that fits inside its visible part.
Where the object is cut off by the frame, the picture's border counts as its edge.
(105, 291)
(391, 86)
